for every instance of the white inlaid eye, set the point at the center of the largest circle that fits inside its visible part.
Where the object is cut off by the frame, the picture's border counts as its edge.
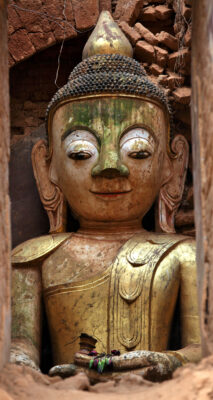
(80, 145)
(137, 143)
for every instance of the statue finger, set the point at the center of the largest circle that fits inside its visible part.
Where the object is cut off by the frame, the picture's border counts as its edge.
(64, 370)
(82, 359)
(156, 373)
(133, 359)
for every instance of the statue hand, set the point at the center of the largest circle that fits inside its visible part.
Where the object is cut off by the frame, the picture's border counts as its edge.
(20, 358)
(145, 358)
(63, 370)
(153, 365)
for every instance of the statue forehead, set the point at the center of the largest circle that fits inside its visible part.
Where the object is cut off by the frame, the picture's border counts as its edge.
(103, 113)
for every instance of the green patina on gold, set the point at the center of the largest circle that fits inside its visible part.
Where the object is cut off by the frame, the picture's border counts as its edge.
(25, 308)
(109, 118)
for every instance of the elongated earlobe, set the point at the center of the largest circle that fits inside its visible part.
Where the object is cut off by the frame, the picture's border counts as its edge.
(171, 192)
(50, 194)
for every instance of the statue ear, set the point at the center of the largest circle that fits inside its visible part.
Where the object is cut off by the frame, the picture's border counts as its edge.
(172, 190)
(50, 194)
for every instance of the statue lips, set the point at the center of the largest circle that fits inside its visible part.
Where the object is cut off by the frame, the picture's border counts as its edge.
(110, 195)
(113, 190)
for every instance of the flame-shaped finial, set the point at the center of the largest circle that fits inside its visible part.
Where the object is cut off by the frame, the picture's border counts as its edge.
(107, 38)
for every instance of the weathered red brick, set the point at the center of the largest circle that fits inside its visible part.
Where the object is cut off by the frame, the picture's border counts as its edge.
(161, 56)
(105, 5)
(171, 80)
(31, 121)
(149, 14)
(14, 21)
(188, 38)
(59, 28)
(182, 95)
(146, 34)
(42, 40)
(128, 10)
(69, 14)
(11, 61)
(32, 21)
(179, 59)
(162, 80)
(174, 80)
(130, 32)
(163, 12)
(187, 13)
(156, 1)
(156, 69)
(41, 26)
(20, 45)
(145, 51)
(168, 40)
(86, 13)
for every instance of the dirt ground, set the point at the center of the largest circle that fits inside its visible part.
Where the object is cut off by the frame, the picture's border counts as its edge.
(190, 382)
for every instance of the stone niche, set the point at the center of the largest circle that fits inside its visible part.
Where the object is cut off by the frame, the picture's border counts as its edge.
(160, 32)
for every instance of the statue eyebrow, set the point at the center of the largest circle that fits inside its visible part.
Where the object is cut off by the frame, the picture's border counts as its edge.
(75, 128)
(144, 127)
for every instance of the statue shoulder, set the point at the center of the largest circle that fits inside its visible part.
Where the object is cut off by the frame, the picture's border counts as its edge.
(186, 252)
(159, 238)
(144, 247)
(37, 248)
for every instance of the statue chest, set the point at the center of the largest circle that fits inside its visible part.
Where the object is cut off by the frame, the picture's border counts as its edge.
(129, 305)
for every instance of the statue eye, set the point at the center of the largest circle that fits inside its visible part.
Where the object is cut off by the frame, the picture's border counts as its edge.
(80, 155)
(140, 155)
(79, 150)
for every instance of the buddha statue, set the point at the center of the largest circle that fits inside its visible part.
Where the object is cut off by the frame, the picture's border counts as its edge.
(111, 288)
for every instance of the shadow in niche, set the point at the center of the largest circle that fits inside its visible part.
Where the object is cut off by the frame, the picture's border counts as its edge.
(31, 88)
(28, 216)
(149, 219)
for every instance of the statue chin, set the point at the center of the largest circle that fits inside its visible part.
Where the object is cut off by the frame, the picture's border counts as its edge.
(110, 289)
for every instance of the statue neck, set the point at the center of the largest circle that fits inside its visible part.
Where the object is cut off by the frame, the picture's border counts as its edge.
(115, 228)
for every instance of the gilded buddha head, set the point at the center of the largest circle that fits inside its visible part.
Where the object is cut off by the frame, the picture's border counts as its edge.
(111, 152)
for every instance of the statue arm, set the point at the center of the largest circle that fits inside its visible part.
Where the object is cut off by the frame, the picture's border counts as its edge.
(27, 259)
(190, 326)
(26, 314)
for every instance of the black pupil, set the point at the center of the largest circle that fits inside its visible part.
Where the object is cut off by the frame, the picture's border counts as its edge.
(140, 154)
(80, 156)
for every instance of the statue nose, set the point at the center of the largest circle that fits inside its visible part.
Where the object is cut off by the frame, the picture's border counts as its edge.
(110, 165)
(110, 173)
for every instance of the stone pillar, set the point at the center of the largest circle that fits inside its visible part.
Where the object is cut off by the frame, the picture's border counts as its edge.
(4, 197)
(202, 128)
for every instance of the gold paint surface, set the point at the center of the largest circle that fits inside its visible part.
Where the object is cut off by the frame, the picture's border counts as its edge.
(107, 38)
(78, 308)
(130, 305)
(34, 249)
(26, 312)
